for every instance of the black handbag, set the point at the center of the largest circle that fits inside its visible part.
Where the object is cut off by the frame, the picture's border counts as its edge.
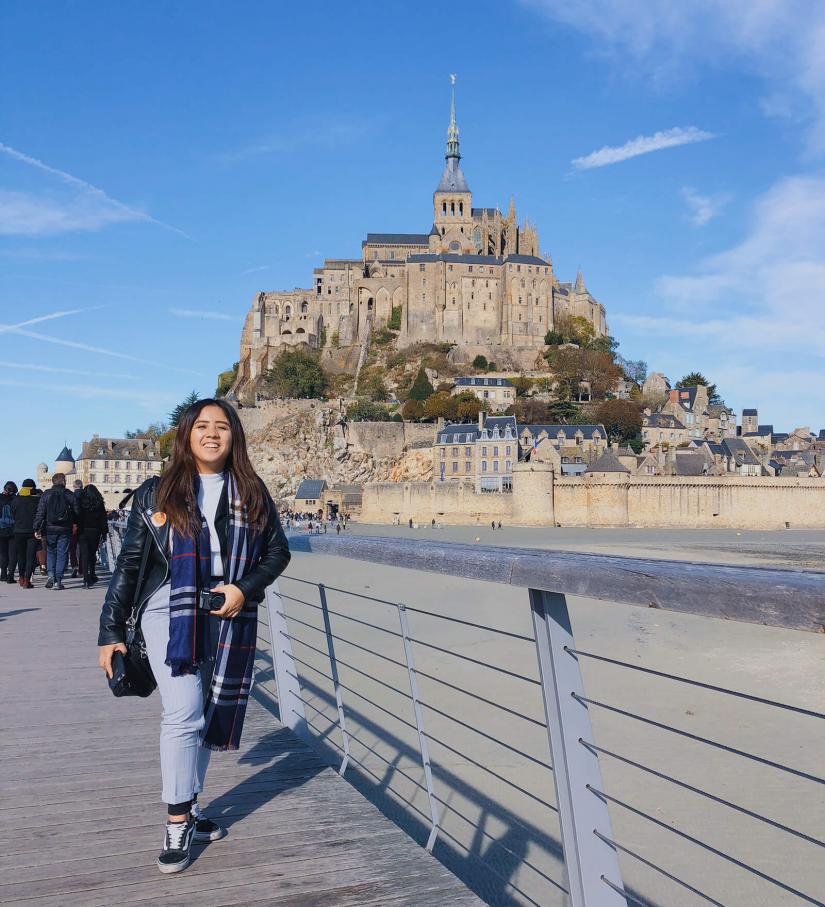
(131, 673)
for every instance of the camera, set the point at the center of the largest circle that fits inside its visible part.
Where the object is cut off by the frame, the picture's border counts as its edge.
(211, 601)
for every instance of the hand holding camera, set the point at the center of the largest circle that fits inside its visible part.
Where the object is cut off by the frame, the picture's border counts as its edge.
(222, 601)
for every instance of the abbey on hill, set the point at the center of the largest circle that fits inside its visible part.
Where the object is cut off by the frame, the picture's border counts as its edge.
(476, 279)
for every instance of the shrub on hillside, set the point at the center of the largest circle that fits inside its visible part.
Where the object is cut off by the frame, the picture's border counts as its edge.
(367, 411)
(480, 362)
(421, 387)
(297, 373)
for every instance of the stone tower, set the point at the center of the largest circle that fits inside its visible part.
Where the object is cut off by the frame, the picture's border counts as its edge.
(64, 462)
(452, 199)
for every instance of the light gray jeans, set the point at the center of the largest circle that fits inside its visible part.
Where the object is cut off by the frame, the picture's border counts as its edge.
(183, 761)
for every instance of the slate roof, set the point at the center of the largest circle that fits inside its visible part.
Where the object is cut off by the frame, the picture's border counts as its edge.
(741, 453)
(501, 422)
(607, 462)
(526, 260)
(480, 381)
(690, 465)
(569, 431)
(765, 429)
(661, 420)
(452, 179)
(749, 412)
(65, 456)
(457, 433)
(119, 449)
(460, 259)
(780, 436)
(477, 212)
(562, 291)
(397, 239)
(310, 489)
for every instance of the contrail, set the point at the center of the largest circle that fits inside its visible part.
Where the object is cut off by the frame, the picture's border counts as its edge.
(87, 187)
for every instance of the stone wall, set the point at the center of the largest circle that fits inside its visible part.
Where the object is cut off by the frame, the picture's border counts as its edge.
(607, 500)
(388, 439)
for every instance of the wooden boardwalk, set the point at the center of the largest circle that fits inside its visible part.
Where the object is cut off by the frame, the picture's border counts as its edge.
(81, 822)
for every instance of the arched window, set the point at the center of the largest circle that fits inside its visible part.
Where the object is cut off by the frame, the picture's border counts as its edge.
(304, 308)
(287, 310)
(452, 208)
(461, 209)
(300, 331)
(444, 208)
(369, 304)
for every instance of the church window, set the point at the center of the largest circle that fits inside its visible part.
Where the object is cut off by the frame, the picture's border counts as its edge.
(519, 302)
(392, 253)
(424, 282)
(534, 285)
(474, 281)
(452, 208)
(287, 310)
(455, 246)
(421, 267)
(486, 283)
(461, 208)
(489, 295)
(442, 231)
(444, 208)
(304, 308)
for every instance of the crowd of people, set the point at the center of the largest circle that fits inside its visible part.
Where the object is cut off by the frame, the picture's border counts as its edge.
(313, 522)
(54, 530)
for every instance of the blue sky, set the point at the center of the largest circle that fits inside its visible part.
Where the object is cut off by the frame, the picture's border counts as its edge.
(160, 163)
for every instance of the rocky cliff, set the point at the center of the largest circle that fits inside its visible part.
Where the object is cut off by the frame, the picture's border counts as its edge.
(291, 440)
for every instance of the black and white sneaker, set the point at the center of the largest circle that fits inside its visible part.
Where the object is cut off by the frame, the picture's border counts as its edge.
(177, 845)
(50, 582)
(205, 829)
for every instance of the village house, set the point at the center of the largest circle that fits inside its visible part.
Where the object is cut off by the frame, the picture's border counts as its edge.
(497, 393)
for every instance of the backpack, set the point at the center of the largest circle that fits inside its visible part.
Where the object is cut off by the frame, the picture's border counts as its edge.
(57, 509)
(6, 518)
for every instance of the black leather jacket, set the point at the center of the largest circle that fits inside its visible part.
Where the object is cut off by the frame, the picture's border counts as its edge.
(123, 597)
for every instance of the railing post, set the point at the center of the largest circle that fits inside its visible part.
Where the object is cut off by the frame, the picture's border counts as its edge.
(290, 703)
(342, 721)
(419, 724)
(587, 858)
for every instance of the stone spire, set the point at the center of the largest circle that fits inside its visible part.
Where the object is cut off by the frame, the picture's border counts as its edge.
(579, 281)
(452, 179)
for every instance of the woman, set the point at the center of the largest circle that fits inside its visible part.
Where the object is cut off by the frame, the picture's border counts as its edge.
(208, 523)
(8, 553)
(91, 527)
(24, 507)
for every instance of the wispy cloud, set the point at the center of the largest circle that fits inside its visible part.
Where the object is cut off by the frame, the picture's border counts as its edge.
(329, 132)
(152, 401)
(88, 208)
(703, 208)
(253, 270)
(202, 313)
(643, 144)
(38, 319)
(780, 41)
(51, 369)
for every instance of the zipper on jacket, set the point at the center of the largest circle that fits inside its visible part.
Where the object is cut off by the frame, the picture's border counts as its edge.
(134, 619)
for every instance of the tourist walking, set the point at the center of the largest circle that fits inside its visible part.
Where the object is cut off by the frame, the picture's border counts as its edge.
(202, 543)
(56, 514)
(74, 548)
(8, 557)
(24, 508)
(91, 526)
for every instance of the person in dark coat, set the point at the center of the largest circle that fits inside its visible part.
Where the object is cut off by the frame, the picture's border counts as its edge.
(56, 514)
(24, 508)
(8, 556)
(91, 525)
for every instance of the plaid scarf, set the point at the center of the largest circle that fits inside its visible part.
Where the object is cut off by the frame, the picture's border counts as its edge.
(190, 641)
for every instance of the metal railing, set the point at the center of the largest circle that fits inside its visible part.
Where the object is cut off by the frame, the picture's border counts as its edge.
(415, 699)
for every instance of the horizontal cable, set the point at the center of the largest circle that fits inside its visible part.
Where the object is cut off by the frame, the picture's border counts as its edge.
(370, 598)
(365, 623)
(383, 683)
(321, 712)
(475, 661)
(297, 620)
(377, 706)
(474, 825)
(384, 759)
(480, 698)
(494, 872)
(305, 644)
(631, 898)
(698, 683)
(306, 664)
(489, 771)
(719, 853)
(703, 793)
(468, 623)
(484, 734)
(698, 739)
(654, 867)
(299, 601)
(356, 645)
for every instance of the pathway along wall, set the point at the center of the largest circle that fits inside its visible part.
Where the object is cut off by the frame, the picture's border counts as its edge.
(608, 500)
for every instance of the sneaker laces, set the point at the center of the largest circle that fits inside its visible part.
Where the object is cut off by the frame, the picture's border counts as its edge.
(195, 811)
(175, 833)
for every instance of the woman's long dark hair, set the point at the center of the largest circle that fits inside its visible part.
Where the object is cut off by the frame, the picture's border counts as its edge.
(177, 491)
(91, 498)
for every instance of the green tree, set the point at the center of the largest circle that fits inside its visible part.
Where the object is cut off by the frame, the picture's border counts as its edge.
(166, 442)
(553, 338)
(152, 431)
(694, 379)
(413, 410)
(367, 411)
(605, 344)
(297, 373)
(421, 387)
(470, 408)
(180, 409)
(622, 419)
(522, 385)
(226, 380)
(440, 406)
(480, 362)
